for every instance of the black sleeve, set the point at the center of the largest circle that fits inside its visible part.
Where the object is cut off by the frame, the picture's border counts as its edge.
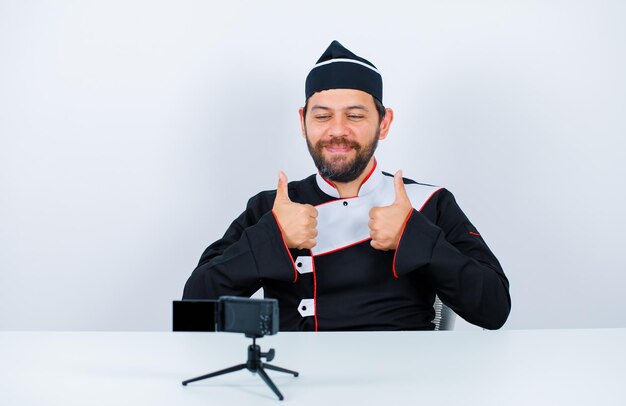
(251, 250)
(467, 276)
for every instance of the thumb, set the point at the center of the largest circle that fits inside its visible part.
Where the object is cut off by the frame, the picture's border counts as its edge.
(282, 192)
(398, 184)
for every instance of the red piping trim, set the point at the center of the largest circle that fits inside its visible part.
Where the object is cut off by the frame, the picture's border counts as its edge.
(368, 176)
(295, 270)
(342, 248)
(428, 200)
(476, 234)
(327, 181)
(314, 290)
(393, 266)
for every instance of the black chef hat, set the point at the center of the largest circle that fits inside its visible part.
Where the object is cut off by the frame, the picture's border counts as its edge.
(338, 68)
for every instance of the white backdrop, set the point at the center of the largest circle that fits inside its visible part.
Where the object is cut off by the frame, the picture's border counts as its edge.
(133, 132)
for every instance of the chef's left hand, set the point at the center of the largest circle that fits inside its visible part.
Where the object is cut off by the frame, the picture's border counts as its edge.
(386, 223)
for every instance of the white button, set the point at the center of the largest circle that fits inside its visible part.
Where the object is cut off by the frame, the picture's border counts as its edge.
(306, 307)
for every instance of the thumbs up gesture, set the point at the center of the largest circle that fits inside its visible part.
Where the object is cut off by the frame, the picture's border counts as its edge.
(298, 222)
(386, 222)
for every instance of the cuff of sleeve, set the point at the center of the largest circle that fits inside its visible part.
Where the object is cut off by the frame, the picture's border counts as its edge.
(271, 254)
(416, 244)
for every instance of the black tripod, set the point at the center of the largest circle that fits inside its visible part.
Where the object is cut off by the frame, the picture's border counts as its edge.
(253, 364)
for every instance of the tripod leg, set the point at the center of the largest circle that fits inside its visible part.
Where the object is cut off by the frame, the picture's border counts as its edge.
(279, 369)
(269, 382)
(216, 373)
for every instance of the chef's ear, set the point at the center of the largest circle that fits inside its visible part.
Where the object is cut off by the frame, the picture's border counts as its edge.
(302, 125)
(385, 123)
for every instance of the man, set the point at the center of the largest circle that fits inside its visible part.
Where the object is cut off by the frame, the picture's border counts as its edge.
(354, 248)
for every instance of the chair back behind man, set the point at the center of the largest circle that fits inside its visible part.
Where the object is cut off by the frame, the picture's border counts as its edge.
(444, 316)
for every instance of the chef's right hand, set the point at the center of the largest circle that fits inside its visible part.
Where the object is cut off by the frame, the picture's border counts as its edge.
(297, 222)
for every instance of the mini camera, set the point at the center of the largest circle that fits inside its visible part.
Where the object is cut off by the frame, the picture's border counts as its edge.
(253, 317)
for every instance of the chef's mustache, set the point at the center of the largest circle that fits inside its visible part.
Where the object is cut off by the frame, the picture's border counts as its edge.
(339, 142)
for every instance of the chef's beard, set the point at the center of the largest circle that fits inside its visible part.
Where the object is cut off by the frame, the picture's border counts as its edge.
(340, 168)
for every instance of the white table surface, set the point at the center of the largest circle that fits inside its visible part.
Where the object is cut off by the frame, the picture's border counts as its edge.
(523, 367)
